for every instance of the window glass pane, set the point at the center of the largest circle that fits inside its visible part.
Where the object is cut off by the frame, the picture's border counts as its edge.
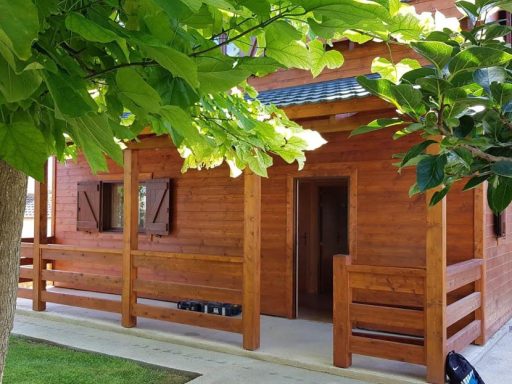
(116, 216)
(142, 206)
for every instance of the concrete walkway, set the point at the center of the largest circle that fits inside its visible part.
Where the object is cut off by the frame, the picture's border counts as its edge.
(215, 367)
(292, 351)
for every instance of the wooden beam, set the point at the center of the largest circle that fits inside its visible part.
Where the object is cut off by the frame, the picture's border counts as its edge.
(344, 123)
(435, 288)
(370, 103)
(479, 210)
(151, 142)
(342, 324)
(40, 237)
(130, 235)
(252, 261)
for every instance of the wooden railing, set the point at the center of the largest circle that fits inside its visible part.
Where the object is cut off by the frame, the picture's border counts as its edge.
(84, 256)
(26, 270)
(194, 277)
(457, 276)
(162, 276)
(378, 341)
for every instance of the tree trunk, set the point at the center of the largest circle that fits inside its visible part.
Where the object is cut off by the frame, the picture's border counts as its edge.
(13, 190)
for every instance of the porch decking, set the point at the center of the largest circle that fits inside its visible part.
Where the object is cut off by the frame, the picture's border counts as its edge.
(299, 343)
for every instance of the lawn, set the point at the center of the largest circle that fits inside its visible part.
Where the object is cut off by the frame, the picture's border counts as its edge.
(36, 362)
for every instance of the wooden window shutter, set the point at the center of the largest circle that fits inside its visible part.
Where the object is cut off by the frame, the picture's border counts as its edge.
(158, 206)
(89, 206)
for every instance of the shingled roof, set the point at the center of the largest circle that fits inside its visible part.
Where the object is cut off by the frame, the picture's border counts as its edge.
(325, 91)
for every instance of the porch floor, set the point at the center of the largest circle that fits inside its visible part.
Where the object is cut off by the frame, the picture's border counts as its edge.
(298, 343)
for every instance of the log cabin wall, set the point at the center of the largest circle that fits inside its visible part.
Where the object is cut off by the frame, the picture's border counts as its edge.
(498, 255)
(207, 214)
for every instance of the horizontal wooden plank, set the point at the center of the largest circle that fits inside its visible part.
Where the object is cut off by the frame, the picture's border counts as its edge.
(387, 283)
(82, 301)
(387, 316)
(71, 248)
(94, 256)
(188, 265)
(26, 273)
(26, 250)
(382, 270)
(189, 256)
(386, 349)
(460, 274)
(99, 282)
(25, 293)
(463, 307)
(188, 291)
(398, 338)
(223, 323)
(464, 337)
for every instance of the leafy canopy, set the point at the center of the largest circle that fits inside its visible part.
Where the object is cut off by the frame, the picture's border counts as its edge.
(460, 104)
(91, 74)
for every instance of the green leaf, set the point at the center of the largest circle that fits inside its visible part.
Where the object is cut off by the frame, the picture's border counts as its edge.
(502, 168)
(499, 194)
(486, 76)
(218, 74)
(132, 86)
(430, 172)
(409, 99)
(19, 26)
(436, 52)
(69, 94)
(23, 147)
(393, 72)
(17, 87)
(478, 57)
(320, 58)
(439, 195)
(415, 151)
(475, 181)
(376, 125)
(284, 46)
(180, 121)
(176, 62)
(94, 135)
(89, 30)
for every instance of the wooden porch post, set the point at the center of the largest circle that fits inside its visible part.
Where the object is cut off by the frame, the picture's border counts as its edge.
(435, 291)
(130, 234)
(252, 261)
(342, 326)
(479, 218)
(40, 237)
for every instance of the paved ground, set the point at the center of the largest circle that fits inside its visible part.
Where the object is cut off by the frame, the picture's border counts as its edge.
(495, 365)
(292, 351)
(215, 367)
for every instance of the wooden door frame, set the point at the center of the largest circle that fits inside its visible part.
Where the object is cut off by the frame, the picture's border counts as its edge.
(334, 170)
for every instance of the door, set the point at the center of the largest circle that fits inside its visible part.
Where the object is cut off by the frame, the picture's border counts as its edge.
(321, 232)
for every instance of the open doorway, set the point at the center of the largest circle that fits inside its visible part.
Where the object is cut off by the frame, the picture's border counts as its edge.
(321, 232)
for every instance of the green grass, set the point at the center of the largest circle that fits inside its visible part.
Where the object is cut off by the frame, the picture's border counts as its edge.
(36, 362)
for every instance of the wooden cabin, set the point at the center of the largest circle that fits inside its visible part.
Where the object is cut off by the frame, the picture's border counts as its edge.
(339, 241)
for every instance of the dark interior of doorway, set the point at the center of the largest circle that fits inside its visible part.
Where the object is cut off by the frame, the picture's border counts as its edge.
(321, 232)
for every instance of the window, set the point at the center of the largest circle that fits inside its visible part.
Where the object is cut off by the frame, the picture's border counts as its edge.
(100, 206)
(113, 198)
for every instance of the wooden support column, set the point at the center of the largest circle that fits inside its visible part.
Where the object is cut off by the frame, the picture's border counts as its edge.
(480, 204)
(252, 261)
(435, 289)
(40, 237)
(130, 234)
(342, 325)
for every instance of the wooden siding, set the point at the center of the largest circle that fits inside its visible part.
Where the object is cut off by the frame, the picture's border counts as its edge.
(498, 255)
(207, 216)
(358, 58)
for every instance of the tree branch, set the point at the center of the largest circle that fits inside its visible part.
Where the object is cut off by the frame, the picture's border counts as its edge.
(116, 67)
